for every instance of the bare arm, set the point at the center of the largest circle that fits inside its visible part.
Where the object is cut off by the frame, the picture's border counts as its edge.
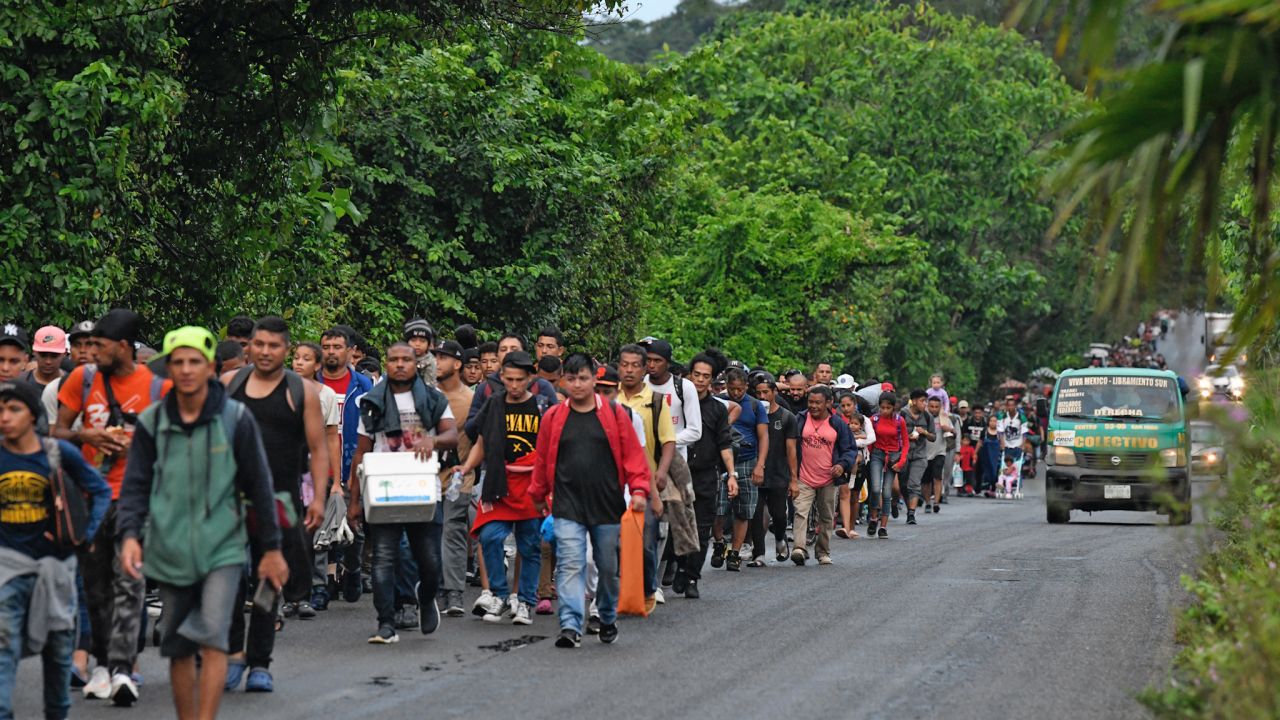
(313, 423)
(363, 445)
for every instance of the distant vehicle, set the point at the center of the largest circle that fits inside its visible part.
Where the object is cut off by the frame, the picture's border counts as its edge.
(1208, 454)
(1224, 380)
(1217, 336)
(1118, 441)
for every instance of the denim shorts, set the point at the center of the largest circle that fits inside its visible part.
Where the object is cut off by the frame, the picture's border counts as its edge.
(199, 615)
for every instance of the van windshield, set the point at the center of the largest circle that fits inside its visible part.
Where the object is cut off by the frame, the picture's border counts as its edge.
(1117, 398)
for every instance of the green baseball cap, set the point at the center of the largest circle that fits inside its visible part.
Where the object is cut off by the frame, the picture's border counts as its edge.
(190, 336)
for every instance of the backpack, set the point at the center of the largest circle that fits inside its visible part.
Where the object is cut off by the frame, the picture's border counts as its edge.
(113, 408)
(297, 389)
(69, 506)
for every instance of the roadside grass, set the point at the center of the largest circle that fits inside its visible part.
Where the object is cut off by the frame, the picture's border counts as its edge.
(1229, 664)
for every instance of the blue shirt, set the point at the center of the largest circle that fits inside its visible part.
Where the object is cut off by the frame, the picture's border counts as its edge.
(25, 500)
(754, 414)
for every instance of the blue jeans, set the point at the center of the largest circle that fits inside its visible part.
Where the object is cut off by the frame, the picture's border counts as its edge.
(880, 482)
(406, 574)
(528, 543)
(424, 546)
(15, 599)
(571, 570)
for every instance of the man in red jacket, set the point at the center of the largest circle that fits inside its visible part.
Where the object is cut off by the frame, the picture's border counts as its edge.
(587, 454)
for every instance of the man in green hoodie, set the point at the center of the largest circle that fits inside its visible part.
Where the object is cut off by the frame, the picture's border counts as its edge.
(193, 455)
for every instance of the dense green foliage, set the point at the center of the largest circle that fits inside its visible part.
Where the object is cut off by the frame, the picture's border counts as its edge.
(805, 187)
(919, 125)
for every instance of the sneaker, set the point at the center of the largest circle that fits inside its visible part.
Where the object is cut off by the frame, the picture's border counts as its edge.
(259, 681)
(235, 674)
(780, 549)
(608, 633)
(99, 685)
(871, 527)
(351, 587)
(305, 611)
(733, 563)
(938, 508)
(680, 584)
(430, 617)
(406, 618)
(824, 560)
(496, 610)
(569, 639)
(481, 605)
(718, 549)
(894, 511)
(911, 518)
(124, 691)
(289, 610)
(797, 556)
(544, 607)
(659, 597)
(386, 635)
(594, 624)
(320, 598)
(512, 602)
(691, 592)
(453, 604)
(520, 615)
(884, 532)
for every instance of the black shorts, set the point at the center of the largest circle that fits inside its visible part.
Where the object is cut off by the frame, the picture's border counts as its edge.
(934, 472)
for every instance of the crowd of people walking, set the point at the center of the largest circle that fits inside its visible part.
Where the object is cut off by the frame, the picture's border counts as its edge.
(218, 484)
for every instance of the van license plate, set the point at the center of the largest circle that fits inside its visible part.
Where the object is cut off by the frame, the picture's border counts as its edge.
(1116, 492)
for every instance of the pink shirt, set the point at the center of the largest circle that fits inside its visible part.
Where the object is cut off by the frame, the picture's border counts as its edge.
(819, 438)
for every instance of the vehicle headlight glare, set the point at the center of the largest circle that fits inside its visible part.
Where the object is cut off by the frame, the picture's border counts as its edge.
(1173, 457)
(1062, 456)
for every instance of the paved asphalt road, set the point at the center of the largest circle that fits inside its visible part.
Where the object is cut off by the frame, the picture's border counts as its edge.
(984, 611)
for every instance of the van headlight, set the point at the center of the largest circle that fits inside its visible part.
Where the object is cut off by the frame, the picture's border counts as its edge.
(1062, 456)
(1173, 458)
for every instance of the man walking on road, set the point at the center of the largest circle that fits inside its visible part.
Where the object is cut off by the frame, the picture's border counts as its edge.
(106, 399)
(710, 455)
(587, 454)
(402, 414)
(922, 431)
(287, 411)
(192, 459)
(825, 452)
(457, 512)
(752, 456)
(660, 447)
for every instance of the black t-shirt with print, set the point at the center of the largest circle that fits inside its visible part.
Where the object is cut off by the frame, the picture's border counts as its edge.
(522, 422)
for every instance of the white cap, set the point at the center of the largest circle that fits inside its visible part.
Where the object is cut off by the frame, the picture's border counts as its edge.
(846, 382)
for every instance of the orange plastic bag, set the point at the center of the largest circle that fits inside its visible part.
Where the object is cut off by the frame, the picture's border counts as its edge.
(631, 565)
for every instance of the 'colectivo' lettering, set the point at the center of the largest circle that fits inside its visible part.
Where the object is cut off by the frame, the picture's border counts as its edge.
(1131, 443)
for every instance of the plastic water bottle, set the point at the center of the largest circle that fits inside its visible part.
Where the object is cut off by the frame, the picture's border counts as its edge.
(452, 493)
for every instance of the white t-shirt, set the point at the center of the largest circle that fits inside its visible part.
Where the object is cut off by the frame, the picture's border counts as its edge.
(410, 427)
(688, 421)
(329, 406)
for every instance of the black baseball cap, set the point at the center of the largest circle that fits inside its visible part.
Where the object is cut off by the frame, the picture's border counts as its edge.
(520, 359)
(118, 324)
(80, 329)
(470, 355)
(661, 348)
(607, 375)
(450, 348)
(13, 334)
(25, 393)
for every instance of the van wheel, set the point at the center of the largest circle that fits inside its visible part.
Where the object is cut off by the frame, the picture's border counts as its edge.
(1180, 515)
(1058, 513)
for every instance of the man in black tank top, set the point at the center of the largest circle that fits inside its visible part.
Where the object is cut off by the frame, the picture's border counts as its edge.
(288, 428)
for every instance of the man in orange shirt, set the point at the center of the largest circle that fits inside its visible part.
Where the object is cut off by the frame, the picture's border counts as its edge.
(107, 398)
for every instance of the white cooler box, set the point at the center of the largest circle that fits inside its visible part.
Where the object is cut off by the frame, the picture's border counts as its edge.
(396, 487)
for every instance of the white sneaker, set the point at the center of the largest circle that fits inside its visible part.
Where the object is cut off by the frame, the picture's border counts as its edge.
(99, 685)
(657, 595)
(513, 602)
(520, 615)
(124, 692)
(481, 605)
(496, 610)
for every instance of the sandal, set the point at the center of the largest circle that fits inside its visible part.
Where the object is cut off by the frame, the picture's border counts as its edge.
(756, 562)
(842, 533)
